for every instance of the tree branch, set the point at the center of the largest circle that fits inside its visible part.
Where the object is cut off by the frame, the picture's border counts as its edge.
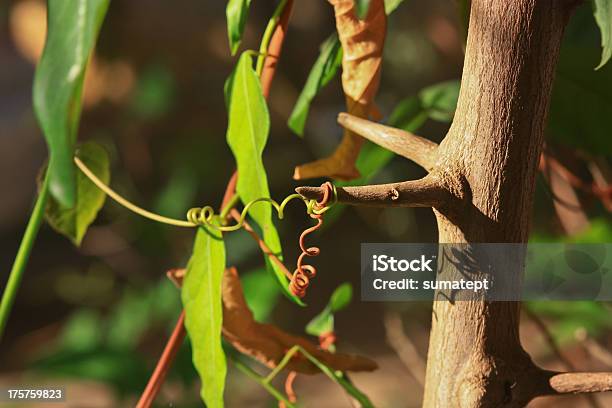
(577, 383)
(426, 192)
(420, 150)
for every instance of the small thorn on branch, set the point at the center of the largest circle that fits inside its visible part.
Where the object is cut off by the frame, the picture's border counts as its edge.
(426, 192)
(418, 149)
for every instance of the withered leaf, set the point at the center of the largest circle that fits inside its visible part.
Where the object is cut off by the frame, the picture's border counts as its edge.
(267, 343)
(362, 43)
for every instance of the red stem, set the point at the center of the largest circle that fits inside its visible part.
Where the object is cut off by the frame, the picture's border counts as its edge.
(163, 365)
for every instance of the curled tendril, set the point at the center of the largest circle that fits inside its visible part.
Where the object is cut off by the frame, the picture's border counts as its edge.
(204, 216)
(300, 280)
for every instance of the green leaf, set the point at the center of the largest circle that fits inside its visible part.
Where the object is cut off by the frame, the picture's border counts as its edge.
(341, 297)
(201, 296)
(72, 28)
(324, 70)
(73, 222)
(391, 5)
(237, 12)
(247, 134)
(321, 323)
(440, 100)
(324, 321)
(602, 10)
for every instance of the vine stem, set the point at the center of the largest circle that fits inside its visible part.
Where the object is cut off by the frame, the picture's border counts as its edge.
(262, 381)
(264, 47)
(161, 370)
(23, 255)
(273, 46)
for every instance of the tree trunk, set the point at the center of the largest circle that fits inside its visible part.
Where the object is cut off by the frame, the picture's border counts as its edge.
(489, 161)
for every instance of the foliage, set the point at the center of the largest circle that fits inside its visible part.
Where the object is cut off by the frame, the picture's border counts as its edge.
(201, 295)
(237, 12)
(324, 322)
(93, 345)
(73, 222)
(73, 26)
(602, 10)
(247, 134)
(323, 71)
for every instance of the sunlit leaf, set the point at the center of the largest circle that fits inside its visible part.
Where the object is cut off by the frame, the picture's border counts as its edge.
(602, 10)
(237, 12)
(201, 296)
(73, 222)
(72, 29)
(247, 134)
(341, 297)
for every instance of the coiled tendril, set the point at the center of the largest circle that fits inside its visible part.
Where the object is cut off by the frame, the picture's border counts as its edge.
(205, 216)
(303, 273)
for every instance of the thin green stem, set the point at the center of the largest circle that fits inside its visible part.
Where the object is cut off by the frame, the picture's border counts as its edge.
(23, 254)
(267, 36)
(248, 371)
(282, 364)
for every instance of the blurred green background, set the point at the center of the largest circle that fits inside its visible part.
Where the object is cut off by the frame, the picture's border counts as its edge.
(95, 319)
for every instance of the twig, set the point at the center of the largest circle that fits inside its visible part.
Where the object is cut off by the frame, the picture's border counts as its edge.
(404, 347)
(261, 380)
(420, 150)
(426, 192)
(163, 365)
(577, 383)
(552, 343)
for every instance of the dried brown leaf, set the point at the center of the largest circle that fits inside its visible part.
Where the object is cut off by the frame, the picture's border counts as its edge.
(267, 343)
(362, 44)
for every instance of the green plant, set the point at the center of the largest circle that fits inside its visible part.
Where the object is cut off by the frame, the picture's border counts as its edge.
(75, 182)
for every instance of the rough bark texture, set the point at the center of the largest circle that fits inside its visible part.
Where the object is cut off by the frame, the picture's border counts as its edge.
(488, 162)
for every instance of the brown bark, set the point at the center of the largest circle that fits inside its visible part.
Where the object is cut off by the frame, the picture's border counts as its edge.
(481, 183)
(489, 160)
